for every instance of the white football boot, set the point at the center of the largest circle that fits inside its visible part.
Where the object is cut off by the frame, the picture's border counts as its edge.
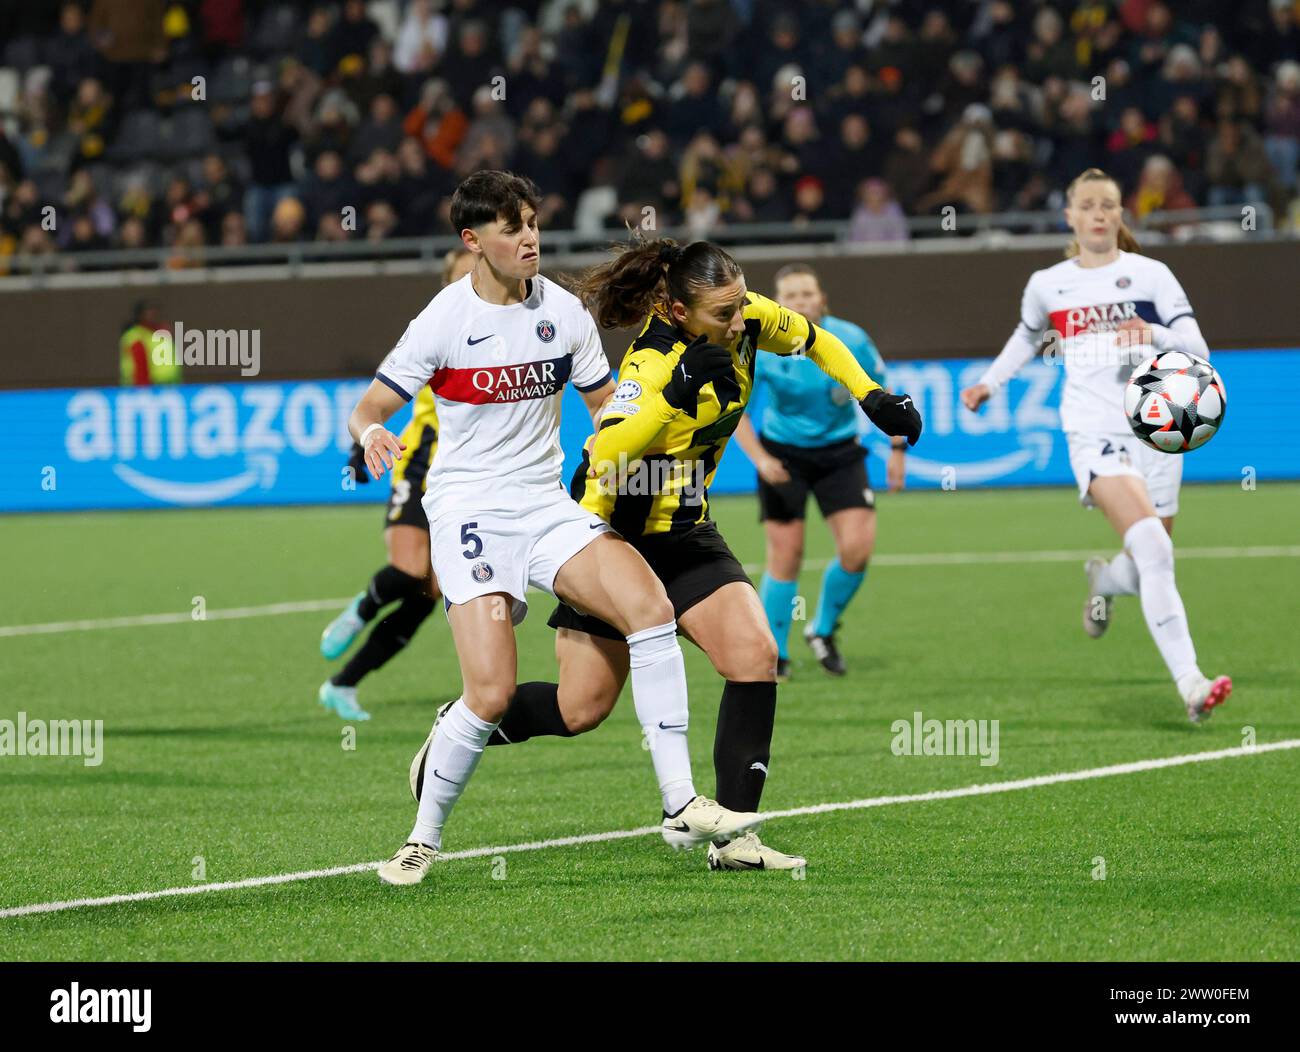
(702, 820)
(748, 852)
(1202, 697)
(417, 763)
(409, 865)
(1096, 608)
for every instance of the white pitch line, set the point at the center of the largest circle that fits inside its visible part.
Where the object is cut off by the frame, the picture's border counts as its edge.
(626, 834)
(308, 606)
(1281, 551)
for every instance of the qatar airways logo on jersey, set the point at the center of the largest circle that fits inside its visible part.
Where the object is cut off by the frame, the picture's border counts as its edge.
(488, 384)
(1103, 317)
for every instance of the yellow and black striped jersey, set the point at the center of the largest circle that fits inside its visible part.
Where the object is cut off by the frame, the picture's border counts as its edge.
(654, 463)
(420, 437)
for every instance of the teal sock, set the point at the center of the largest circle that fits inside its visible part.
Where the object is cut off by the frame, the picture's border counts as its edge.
(838, 588)
(778, 600)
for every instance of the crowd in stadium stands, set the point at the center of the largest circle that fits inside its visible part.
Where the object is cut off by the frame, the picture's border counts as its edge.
(229, 122)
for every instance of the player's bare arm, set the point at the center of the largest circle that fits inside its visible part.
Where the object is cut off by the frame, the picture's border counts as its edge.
(596, 401)
(366, 424)
(769, 468)
(974, 396)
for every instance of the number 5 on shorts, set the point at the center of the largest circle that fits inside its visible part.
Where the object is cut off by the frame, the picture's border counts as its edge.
(474, 541)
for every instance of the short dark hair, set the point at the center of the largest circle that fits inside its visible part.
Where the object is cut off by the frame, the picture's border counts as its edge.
(490, 195)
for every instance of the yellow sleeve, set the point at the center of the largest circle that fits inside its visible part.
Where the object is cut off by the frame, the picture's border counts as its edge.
(426, 409)
(637, 413)
(781, 331)
(787, 332)
(834, 358)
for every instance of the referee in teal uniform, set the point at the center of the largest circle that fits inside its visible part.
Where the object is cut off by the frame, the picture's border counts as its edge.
(809, 442)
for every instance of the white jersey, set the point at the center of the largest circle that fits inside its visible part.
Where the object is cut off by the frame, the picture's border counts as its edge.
(1085, 305)
(497, 374)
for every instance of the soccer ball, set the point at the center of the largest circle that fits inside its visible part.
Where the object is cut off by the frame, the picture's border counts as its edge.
(1175, 402)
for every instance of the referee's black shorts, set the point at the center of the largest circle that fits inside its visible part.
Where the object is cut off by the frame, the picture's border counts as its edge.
(836, 475)
(692, 566)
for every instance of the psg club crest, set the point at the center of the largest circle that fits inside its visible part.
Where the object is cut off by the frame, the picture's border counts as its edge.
(1123, 283)
(482, 572)
(545, 330)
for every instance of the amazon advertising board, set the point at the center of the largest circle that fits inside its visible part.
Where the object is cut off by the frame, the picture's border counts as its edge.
(287, 443)
(1016, 440)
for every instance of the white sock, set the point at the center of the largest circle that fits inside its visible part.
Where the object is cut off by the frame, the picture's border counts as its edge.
(1118, 577)
(659, 694)
(1162, 606)
(451, 760)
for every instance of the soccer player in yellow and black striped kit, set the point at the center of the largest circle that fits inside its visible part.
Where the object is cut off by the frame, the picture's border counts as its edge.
(682, 388)
(407, 579)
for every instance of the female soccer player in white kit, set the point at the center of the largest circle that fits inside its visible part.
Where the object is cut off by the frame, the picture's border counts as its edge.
(1110, 308)
(497, 347)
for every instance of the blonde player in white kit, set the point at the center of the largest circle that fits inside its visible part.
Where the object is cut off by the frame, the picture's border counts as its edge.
(497, 348)
(1110, 308)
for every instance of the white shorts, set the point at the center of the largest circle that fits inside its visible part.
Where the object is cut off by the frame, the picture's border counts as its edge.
(482, 553)
(1103, 456)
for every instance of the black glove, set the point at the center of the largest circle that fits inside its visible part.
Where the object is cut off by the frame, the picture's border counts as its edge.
(700, 363)
(357, 462)
(893, 414)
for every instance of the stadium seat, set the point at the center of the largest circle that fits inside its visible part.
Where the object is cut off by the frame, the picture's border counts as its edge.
(58, 153)
(240, 167)
(140, 136)
(146, 174)
(104, 178)
(232, 81)
(277, 31)
(21, 53)
(50, 184)
(191, 133)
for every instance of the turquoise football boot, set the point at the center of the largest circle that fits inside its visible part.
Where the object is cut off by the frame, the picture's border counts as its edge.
(340, 632)
(342, 700)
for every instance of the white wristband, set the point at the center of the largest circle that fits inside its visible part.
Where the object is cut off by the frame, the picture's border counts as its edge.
(365, 435)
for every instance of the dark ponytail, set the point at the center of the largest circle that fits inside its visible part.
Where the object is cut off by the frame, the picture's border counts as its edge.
(649, 274)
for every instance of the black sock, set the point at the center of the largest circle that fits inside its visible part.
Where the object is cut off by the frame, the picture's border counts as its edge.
(743, 743)
(533, 713)
(387, 586)
(385, 640)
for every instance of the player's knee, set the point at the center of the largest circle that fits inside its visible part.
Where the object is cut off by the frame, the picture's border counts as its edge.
(786, 560)
(853, 557)
(489, 701)
(649, 610)
(788, 549)
(412, 567)
(1150, 546)
(586, 712)
(748, 659)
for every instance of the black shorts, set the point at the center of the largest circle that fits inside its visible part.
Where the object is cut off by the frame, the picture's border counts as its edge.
(404, 506)
(691, 565)
(836, 474)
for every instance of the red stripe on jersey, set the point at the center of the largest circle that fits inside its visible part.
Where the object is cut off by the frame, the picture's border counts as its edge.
(496, 384)
(1103, 317)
